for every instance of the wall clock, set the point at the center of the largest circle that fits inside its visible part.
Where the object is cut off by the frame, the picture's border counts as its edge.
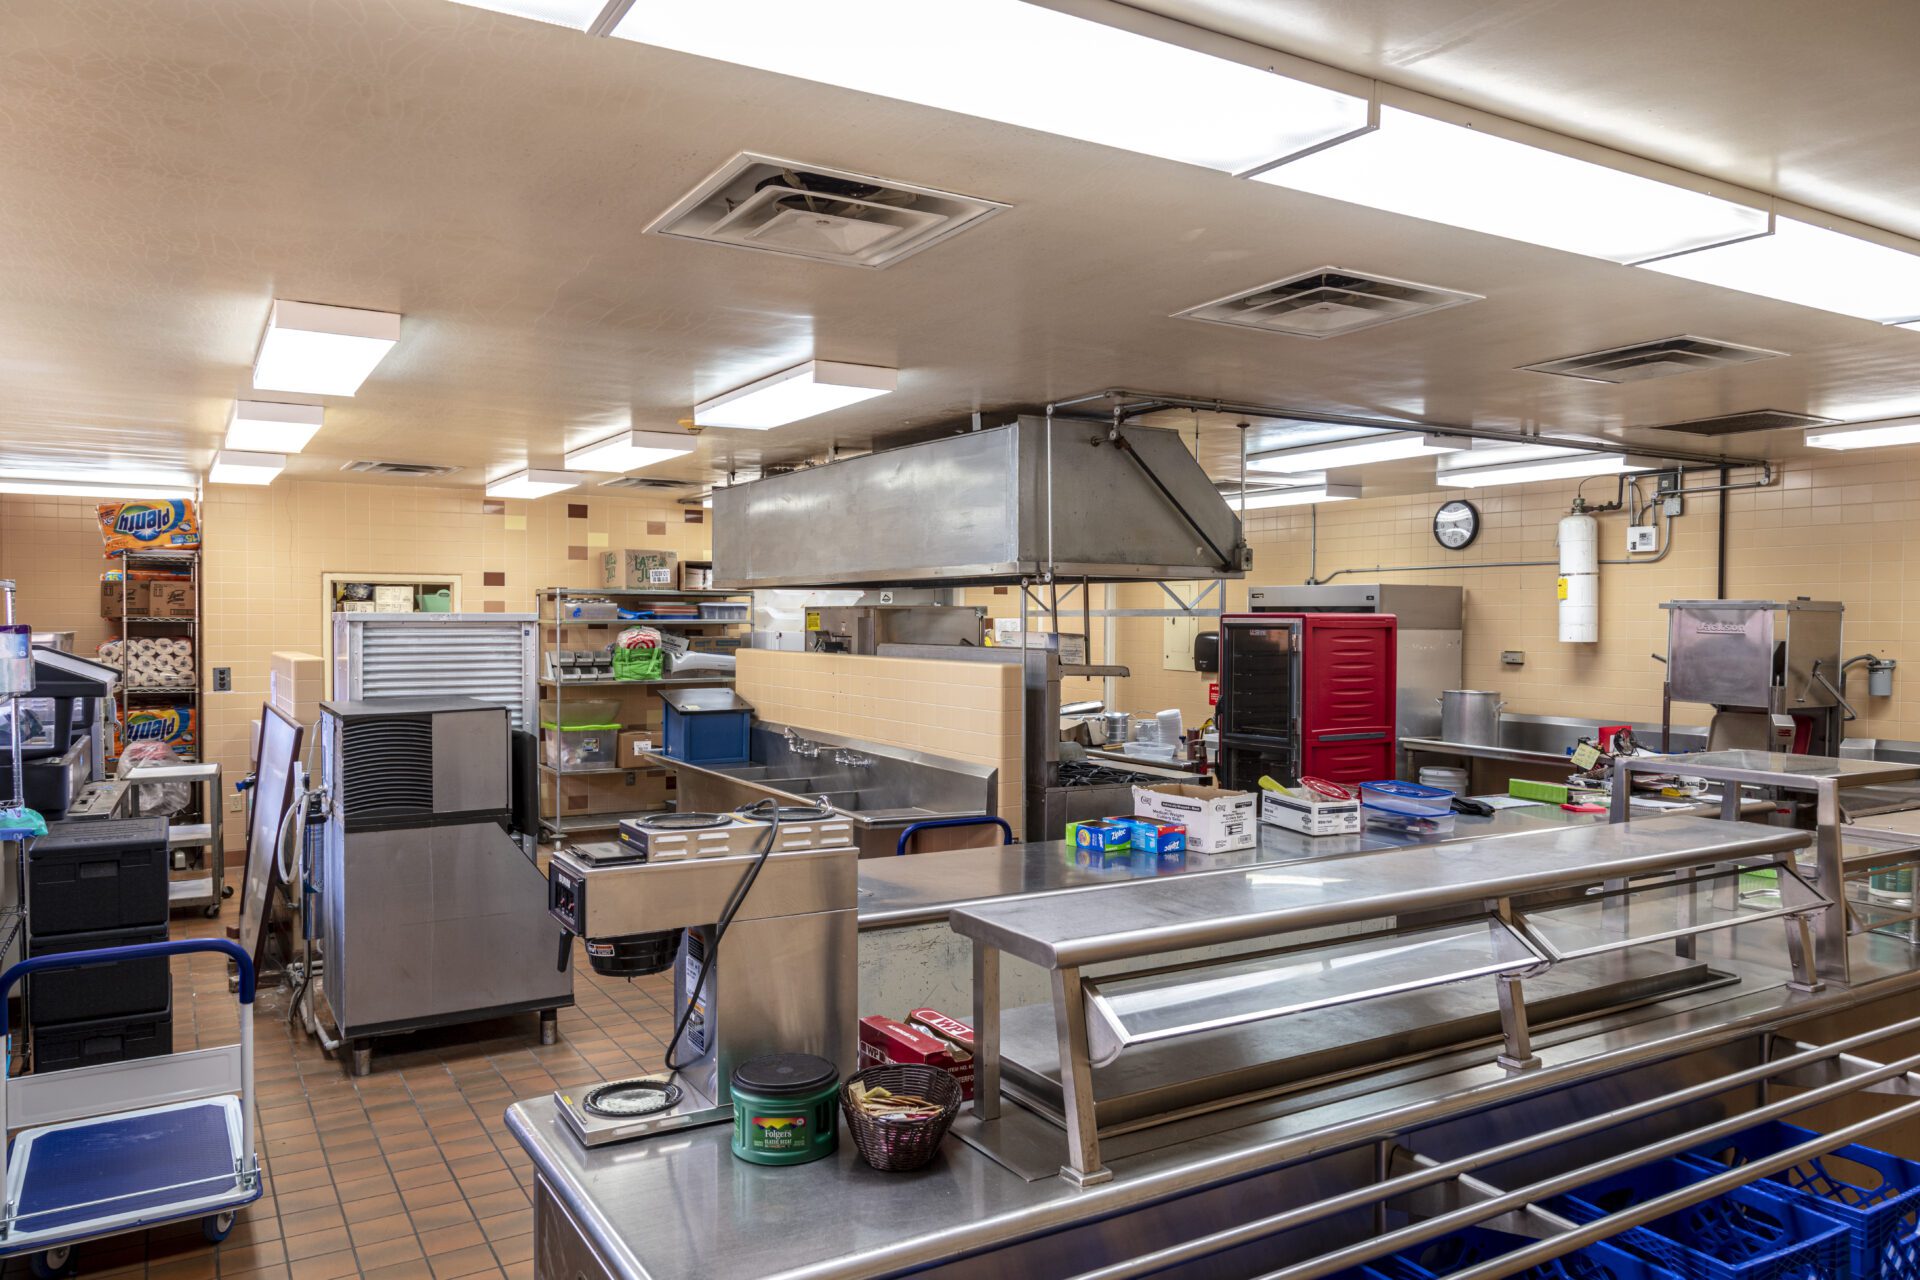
(1456, 524)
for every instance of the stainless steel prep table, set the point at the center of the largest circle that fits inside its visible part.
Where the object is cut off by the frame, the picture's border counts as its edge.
(684, 1207)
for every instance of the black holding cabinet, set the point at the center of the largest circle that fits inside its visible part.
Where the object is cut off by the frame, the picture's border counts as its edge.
(93, 884)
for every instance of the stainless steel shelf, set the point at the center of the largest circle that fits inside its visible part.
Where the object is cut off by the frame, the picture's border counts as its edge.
(632, 593)
(597, 770)
(666, 681)
(593, 821)
(649, 622)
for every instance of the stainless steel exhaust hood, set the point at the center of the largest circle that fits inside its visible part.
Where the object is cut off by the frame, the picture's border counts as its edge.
(1069, 496)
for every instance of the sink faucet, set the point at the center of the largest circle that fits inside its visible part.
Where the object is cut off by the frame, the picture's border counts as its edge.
(852, 759)
(800, 747)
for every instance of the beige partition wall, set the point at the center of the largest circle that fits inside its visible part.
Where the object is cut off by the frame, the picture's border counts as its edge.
(965, 710)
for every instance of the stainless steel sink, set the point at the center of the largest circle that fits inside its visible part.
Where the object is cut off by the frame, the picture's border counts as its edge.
(881, 789)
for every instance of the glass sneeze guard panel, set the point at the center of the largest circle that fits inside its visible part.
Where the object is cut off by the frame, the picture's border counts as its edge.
(1125, 1010)
(1615, 919)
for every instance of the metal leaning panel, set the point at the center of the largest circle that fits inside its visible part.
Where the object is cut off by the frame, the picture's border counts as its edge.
(489, 656)
(1143, 919)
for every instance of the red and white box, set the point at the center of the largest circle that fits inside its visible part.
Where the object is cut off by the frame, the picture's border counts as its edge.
(884, 1041)
(958, 1037)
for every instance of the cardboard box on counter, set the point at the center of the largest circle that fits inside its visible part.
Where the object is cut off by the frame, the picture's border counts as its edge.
(883, 1040)
(170, 599)
(1217, 820)
(637, 569)
(1310, 818)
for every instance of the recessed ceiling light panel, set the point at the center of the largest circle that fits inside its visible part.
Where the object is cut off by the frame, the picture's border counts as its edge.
(236, 466)
(578, 14)
(1814, 267)
(791, 395)
(630, 451)
(258, 426)
(1021, 64)
(1375, 446)
(1471, 178)
(1865, 435)
(533, 482)
(320, 350)
(1584, 463)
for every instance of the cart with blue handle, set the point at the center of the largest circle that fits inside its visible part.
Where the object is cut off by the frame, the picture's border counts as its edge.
(123, 1146)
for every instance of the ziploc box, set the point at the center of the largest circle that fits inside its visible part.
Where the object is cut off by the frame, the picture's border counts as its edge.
(883, 1040)
(957, 1036)
(1164, 843)
(1216, 819)
(1310, 817)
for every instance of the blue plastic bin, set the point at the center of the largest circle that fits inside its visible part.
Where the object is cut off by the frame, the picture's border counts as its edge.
(1875, 1194)
(1742, 1234)
(706, 726)
(1474, 1245)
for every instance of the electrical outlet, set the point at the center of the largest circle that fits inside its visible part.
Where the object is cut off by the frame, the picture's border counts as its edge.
(236, 803)
(1513, 658)
(1641, 538)
(223, 679)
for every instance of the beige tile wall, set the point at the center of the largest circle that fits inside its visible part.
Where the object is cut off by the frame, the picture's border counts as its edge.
(266, 549)
(966, 710)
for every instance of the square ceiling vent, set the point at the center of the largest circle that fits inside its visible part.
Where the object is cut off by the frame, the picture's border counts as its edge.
(1661, 358)
(826, 215)
(1750, 420)
(1327, 302)
(413, 470)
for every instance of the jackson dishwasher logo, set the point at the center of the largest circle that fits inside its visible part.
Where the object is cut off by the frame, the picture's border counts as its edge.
(1720, 629)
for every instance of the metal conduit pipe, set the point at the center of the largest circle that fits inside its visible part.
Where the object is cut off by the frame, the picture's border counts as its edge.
(1274, 1224)
(1613, 1224)
(1666, 545)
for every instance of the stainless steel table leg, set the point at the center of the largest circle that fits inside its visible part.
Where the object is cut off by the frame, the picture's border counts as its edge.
(986, 1031)
(549, 1026)
(1803, 952)
(1517, 1052)
(1076, 1081)
(1831, 962)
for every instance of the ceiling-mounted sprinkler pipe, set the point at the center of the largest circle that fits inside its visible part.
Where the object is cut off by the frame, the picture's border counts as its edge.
(1579, 585)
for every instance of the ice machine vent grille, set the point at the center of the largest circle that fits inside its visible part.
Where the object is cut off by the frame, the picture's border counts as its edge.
(386, 767)
(1640, 361)
(417, 469)
(1734, 424)
(1327, 302)
(826, 215)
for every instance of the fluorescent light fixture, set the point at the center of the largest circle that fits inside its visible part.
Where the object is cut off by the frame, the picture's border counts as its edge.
(1463, 177)
(260, 427)
(1865, 435)
(532, 483)
(630, 451)
(322, 351)
(1583, 463)
(1813, 267)
(578, 14)
(1378, 446)
(1021, 64)
(236, 466)
(96, 484)
(793, 394)
(1262, 499)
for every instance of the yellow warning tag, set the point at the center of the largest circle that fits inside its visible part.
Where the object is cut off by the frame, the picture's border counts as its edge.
(813, 615)
(1563, 588)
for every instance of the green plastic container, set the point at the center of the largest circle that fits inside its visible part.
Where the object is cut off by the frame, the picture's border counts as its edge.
(786, 1109)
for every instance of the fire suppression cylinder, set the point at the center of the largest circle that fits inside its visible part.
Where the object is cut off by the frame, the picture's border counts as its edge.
(1579, 542)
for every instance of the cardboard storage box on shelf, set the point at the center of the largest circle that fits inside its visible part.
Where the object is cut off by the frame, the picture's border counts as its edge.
(1217, 820)
(635, 746)
(169, 599)
(1070, 645)
(1310, 817)
(593, 793)
(696, 577)
(111, 601)
(294, 682)
(635, 569)
(356, 606)
(393, 598)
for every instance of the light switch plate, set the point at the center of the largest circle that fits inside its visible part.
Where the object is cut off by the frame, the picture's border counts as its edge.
(1641, 538)
(223, 679)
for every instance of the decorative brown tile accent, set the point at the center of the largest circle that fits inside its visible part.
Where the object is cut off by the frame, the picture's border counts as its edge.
(493, 578)
(576, 511)
(694, 515)
(493, 507)
(999, 591)
(494, 606)
(656, 528)
(576, 553)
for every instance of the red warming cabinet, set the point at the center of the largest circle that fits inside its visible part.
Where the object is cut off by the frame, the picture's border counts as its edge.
(1306, 694)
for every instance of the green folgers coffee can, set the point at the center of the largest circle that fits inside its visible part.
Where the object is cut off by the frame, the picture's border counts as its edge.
(785, 1108)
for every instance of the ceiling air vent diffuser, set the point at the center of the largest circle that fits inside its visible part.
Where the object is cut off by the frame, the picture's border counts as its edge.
(1659, 359)
(1327, 302)
(417, 470)
(827, 215)
(1735, 424)
(646, 482)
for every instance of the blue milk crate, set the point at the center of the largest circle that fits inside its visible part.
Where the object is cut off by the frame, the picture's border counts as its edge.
(1471, 1246)
(1875, 1194)
(1742, 1234)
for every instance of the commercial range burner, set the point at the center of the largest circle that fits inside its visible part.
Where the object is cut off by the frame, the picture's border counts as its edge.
(1082, 773)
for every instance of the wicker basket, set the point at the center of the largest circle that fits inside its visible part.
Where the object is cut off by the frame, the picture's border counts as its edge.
(895, 1146)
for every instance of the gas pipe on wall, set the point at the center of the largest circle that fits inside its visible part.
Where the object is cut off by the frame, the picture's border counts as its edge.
(1579, 542)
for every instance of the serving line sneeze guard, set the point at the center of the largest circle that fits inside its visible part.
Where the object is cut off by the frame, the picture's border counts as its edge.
(1511, 911)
